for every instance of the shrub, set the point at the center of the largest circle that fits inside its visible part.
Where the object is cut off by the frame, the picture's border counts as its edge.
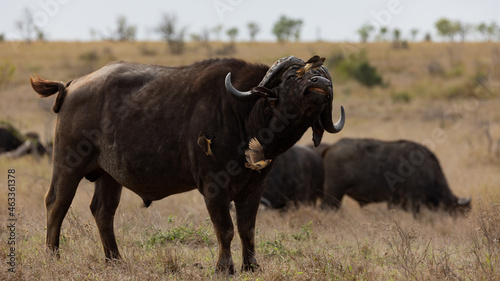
(367, 74)
(435, 68)
(355, 66)
(93, 59)
(401, 97)
(147, 51)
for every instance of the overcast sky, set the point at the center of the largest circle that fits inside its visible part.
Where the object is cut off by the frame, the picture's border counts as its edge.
(330, 20)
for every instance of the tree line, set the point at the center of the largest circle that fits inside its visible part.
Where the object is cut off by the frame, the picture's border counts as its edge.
(447, 29)
(284, 29)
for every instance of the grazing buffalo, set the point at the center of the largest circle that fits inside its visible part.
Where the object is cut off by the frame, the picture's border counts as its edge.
(297, 177)
(14, 144)
(402, 173)
(160, 130)
(10, 138)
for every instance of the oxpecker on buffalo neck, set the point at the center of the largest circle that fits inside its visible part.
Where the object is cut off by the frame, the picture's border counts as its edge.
(255, 156)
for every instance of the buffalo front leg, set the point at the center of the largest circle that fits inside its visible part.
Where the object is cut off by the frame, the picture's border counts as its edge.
(103, 206)
(246, 213)
(218, 208)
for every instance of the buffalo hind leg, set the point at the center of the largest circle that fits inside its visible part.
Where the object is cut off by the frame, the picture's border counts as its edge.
(332, 199)
(103, 206)
(218, 208)
(57, 202)
(246, 214)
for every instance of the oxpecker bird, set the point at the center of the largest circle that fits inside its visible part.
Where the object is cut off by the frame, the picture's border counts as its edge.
(205, 143)
(255, 156)
(311, 64)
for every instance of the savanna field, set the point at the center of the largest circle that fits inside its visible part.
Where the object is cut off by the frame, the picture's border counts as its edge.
(444, 95)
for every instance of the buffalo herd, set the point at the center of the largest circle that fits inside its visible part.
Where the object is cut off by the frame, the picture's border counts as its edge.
(404, 174)
(227, 128)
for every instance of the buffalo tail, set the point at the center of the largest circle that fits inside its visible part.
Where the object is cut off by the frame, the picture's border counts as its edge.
(46, 88)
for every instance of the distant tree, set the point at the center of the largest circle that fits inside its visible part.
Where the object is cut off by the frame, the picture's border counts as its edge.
(124, 32)
(443, 27)
(253, 29)
(428, 37)
(205, 35)
(464, 30)
(455, 29)
(172, 33)
(447, 28)
(492, 30)
(195, 37)
(232, 33)
(296, 30)
(364, 32)
(217, 30)
(482, 28)
(93, 34)
(396, 35)
(414, 32)
(286, 28)
(383, 33)
(2, 37)
(26, 25)
(40, 35)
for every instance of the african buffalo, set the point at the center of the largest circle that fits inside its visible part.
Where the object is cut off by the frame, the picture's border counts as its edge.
(10, 138)
(14, 144)
(403, 173)
(164, 130)
(297, 177)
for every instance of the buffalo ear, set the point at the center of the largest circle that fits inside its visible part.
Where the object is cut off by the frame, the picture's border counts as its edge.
(264, 93)
(318, 131)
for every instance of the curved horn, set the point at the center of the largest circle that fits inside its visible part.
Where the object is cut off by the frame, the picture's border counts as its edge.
(273, 75)
(241, 96)
(326, 120)
(463, 201)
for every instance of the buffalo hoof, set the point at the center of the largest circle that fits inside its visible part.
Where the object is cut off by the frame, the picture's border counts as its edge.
(250, 267)
(53, 252)
(227, 268)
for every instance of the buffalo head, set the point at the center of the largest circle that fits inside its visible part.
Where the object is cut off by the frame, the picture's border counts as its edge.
(302, 89)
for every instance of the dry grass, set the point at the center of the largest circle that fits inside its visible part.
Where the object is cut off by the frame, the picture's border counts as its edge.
(173, 239)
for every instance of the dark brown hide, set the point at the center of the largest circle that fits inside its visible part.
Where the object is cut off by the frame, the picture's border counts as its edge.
(296, 178)
(402, 173)
(138, 126)
(9, 139)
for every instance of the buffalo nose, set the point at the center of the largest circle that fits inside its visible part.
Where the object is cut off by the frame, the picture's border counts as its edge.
(321, 80)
